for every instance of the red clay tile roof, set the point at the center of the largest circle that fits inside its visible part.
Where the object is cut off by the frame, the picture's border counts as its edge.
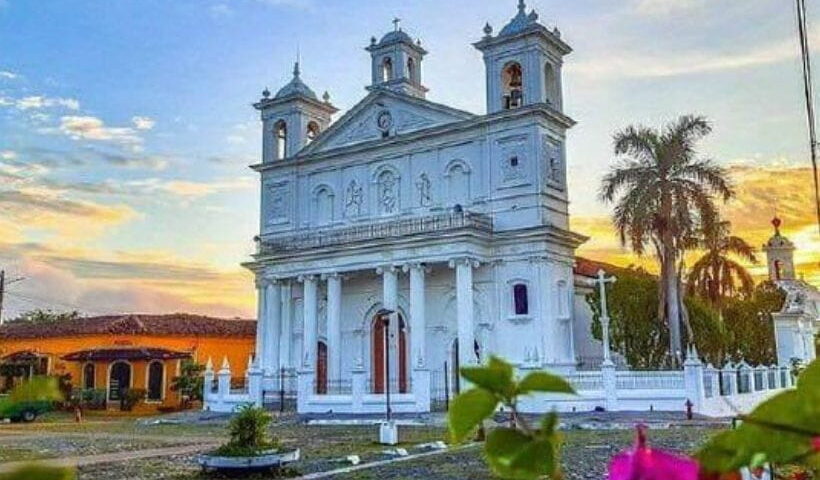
(589, 268)
(175, 324)
(124, 353)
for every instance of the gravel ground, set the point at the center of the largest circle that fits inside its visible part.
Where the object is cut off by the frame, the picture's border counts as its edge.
(585, 455)
(56, 446)
(590, 442)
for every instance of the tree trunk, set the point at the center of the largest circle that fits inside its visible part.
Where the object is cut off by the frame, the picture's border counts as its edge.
(669, 278)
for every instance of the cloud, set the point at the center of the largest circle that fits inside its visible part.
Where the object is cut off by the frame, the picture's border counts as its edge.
(143, 123)
(36, 102)
(30, 204)
(621, 64)
(9, 75)
(655, 8)
(92, 128)
(220, 10)
(8, 155)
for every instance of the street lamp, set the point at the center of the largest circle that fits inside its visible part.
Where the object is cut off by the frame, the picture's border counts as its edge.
(388, 434)
(384, 315)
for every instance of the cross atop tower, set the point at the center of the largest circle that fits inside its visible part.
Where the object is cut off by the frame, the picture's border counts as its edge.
(396, 22)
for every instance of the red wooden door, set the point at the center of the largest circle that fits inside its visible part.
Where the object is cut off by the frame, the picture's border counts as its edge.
(378, 352)
(377, 355)
(321, 368)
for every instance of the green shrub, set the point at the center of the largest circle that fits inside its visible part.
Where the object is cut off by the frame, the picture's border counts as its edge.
(131, 397)
(249, 434)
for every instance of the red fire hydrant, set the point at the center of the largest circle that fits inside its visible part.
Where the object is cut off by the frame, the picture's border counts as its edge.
(689, 413)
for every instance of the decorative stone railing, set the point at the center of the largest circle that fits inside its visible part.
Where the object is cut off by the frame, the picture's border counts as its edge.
(394, 228)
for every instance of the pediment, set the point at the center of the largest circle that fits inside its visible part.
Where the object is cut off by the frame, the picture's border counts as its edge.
(400, 114)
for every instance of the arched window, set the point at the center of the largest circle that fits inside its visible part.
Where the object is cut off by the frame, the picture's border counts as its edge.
(280, 132)
(512, 85)
(550, 85)
(387, 69)
(411, 69)
(156, 374)
(778, 270)
(312, 131)
(88, 376)
(520, 299)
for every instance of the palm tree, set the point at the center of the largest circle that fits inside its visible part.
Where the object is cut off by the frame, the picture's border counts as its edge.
(661, 191)
(716, 275)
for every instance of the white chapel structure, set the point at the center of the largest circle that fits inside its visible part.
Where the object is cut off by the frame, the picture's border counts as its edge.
(406, 239)
(445, 230)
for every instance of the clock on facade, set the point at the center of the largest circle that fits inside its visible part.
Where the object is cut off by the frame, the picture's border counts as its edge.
(384, 121)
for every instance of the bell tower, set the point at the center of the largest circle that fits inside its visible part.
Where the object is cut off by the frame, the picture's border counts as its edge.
(396, 62)
(293, 118)
(779, 255)
(523, 63)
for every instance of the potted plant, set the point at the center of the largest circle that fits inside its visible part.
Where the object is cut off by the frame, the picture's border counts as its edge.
(250, 447)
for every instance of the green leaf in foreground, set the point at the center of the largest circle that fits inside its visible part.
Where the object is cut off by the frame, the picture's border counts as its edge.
(544, 382)
(779, 430)
(468, 410)
(512, 454)
(38, 472)
(495, 377)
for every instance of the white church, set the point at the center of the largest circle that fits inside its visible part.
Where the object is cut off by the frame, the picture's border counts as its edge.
(408, 238)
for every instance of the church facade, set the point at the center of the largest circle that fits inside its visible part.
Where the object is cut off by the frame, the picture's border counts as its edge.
(407, 235)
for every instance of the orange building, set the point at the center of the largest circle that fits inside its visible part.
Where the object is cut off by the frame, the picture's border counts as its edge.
(109, 354)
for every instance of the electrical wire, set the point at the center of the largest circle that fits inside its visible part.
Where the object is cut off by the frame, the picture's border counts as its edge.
(808, 92)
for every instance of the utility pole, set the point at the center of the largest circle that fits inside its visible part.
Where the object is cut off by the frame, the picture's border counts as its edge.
(3, 285)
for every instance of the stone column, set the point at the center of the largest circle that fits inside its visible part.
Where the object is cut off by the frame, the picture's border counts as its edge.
(334, 327)
(464, 310)
(261, 317)
(390, 301)
(285, 344)
(273, 304)
(311, 324)
(418, 315)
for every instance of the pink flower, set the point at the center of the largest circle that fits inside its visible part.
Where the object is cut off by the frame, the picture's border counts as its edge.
(815, 444)
(644, 463)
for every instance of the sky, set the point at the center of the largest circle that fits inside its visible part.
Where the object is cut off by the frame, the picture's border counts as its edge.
(126, 127)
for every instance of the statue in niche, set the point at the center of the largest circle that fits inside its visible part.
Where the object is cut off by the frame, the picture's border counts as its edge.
(423, 186)
(353, 199)
(387, 192)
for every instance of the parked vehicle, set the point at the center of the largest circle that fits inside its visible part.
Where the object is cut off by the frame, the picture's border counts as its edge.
(23, 411)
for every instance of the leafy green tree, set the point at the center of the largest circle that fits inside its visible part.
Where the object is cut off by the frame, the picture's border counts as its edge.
(40, 316)
(520, 452)
(190, 381)
(635, 330)
(637, 334)
(716, 275)
(709, 331)
(750, 321)
(661, 191)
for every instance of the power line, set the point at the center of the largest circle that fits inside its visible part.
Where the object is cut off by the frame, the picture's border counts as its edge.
(3, 283)
(808, 91)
